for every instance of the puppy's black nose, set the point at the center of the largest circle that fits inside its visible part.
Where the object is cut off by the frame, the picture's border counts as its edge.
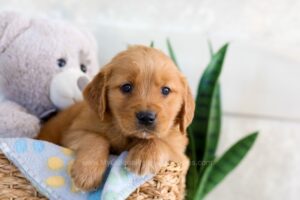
(146, 117)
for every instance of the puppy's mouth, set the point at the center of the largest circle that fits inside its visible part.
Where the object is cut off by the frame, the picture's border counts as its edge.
(144, 133)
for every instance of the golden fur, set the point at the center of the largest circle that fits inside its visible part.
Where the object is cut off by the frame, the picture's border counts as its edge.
(105, 122)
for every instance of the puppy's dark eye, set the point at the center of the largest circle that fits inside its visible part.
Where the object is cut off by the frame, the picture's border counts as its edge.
(126, 88)
(83, 68)
(165, 91)
(61, 62)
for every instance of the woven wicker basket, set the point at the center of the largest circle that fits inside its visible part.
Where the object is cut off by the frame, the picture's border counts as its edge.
(167, 184)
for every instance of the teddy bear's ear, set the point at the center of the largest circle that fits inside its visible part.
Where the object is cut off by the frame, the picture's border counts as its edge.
(90, 37)
(12, 25)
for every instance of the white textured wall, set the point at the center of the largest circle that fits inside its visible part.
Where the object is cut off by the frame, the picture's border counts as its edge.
(261, 79)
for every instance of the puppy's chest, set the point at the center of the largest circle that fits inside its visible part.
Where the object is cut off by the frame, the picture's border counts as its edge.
(119, 143)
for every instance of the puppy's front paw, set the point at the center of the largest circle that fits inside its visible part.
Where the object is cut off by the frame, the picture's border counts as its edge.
(145, 159)
(87, 174)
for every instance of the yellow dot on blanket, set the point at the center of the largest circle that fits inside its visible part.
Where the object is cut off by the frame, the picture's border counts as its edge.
(66, 151)
(55, 163)
(55, 181)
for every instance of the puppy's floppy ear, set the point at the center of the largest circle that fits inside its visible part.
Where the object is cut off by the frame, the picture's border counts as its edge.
(95, 93)
(186, 113)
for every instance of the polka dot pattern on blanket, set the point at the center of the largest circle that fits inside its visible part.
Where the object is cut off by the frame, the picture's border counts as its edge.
(54, 163)
(47, 166)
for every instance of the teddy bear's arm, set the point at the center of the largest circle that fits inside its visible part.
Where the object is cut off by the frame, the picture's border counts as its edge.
(15, 121)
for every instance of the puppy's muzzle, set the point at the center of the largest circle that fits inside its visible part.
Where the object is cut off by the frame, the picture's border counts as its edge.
(146, 118)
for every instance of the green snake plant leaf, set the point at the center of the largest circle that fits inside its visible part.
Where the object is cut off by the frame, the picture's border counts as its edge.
(205, 128)
(214, 126)
(193, 175)
(219, 169)
(206, 124)
(211, 141)
(171, 52)
(210, 47)
(152, 44)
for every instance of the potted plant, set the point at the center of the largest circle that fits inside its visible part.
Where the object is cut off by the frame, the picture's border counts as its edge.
(207, 169)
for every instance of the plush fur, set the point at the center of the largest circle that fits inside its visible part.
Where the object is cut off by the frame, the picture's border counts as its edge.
(31, 83)
(106, 121)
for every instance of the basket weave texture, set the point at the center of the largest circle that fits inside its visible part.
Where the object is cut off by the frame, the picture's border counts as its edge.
(166, 185)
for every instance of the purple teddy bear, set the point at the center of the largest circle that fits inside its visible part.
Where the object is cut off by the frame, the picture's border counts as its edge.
(44, 65)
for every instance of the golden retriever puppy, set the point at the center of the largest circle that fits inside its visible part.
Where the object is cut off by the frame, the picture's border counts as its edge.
(140, 103)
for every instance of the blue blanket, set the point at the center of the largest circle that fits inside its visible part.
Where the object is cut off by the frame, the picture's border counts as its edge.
(47, 167)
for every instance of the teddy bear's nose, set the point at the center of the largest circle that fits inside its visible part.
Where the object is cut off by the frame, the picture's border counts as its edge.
(82, 82)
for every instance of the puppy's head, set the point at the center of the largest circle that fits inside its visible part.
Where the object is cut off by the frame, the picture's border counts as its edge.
(143, 92)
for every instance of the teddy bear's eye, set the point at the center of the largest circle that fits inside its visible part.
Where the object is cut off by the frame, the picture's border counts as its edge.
(83, 68)
(61, 62)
